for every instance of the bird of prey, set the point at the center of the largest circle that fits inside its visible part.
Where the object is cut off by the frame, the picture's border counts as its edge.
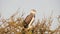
(30, 18)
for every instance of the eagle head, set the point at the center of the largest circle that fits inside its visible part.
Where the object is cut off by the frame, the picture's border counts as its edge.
(33, 11)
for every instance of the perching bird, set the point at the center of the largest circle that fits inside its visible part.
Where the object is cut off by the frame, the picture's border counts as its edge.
(30, 18)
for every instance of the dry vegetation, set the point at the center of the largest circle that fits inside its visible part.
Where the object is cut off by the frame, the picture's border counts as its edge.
(11, 26)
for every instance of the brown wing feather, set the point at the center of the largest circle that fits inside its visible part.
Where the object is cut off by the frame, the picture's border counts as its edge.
(28, 18)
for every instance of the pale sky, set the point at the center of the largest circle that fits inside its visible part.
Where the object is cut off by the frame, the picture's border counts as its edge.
(43, 7)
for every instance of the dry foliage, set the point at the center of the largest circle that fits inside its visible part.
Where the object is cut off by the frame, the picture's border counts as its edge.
(10, 26)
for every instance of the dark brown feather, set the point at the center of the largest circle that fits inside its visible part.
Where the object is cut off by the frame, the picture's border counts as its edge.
(29, 18)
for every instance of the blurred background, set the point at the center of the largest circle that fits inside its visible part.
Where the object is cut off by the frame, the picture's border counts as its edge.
(43, 8)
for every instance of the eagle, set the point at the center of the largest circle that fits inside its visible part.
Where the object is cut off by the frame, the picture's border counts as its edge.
(30, 18)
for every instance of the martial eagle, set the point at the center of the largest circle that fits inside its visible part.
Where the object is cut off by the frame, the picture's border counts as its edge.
(29, 19)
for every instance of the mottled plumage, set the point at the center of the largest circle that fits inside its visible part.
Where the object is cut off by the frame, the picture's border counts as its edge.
(30, 18)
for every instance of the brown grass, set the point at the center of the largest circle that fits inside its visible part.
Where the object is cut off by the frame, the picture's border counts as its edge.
(16, 27)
